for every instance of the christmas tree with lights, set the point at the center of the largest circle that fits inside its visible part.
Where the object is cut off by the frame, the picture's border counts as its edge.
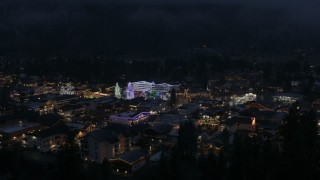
(130, 92)
(117, 91)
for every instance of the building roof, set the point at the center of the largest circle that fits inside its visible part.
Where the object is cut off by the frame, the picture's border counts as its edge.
(127, 114)
(70, 107)
(78, 126)
(62, 129)
(17, 116)
(119, 129)
(9, 117)
(50, 120)
(65, 97)
(138, 128)
(104, 135)
(292, 95)
(161, 128)
(18, 127)
(169, 118)
(238, 120)
(132, 156)
(271, 125)
(189, 105)
(132, 116)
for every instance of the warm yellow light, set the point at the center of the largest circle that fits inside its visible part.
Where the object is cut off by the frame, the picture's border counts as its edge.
(253, 123)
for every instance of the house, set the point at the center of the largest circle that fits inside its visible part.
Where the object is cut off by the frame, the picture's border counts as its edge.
(16, 133)
(59, 101)
(129, 118)
(81, 130)
(240, 123)
(103, 143)
(48, 139)
(287, 98)
(172, 119)
(129, 162)
(50, 120)
(69, 111)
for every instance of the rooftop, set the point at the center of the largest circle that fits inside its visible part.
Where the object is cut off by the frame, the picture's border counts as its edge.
(104, 135)
(161, 128)
(132, 156)
(19, 127)
(238, 120)
(63, 129)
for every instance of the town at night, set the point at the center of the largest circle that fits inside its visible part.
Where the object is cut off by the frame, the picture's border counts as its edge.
(190, 90)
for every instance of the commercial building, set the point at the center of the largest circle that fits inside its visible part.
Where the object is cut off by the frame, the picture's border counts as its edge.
(146, 89)
(286, 98)
(104, 144)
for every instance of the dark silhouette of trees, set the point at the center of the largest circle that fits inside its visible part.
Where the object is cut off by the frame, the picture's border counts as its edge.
(4, 96)
(173, 98)
(187, 141)
(99, 171)
(301, 146)
(69, 162)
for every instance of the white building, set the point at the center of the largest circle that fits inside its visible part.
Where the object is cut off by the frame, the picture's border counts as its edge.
(105, 144)
(237, 100)
(286, 98)
(164, 87)
(144, 86)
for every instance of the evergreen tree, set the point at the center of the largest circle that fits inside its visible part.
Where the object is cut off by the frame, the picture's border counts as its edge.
(290, 125)
(300, 144)
(106, 169)
(173, 98)
(68, 161)
(129, 91)
(4, 96)
(187, 140)
(117, 91)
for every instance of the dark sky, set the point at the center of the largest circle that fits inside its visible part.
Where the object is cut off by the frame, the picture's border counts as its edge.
(155, 26)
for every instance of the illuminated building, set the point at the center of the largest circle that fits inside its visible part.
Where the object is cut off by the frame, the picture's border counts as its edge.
(149, 89)
(237, 100)
(253, 119)
(17, 132)
(143, 86)
(68, 89)
(129, 118)
(239, 123)
(48, 139)
(104, 143)
(286, 98)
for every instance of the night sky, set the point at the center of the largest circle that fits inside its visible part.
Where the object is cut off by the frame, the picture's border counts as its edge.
(156, 27)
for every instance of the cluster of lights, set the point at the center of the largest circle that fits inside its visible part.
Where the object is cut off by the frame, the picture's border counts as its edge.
(241, 100)
(144, 89)
(67, 90)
